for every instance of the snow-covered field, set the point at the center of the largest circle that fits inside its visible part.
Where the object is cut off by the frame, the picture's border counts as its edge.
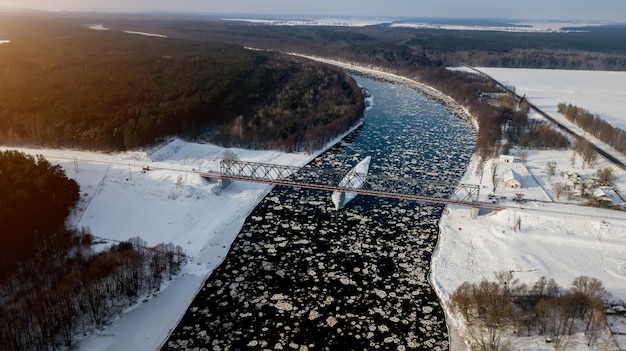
(600, 92)
(102, 27)
(515, 26)
(518, 27)
(334, 22)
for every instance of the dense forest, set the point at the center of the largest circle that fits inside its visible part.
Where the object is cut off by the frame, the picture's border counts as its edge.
(66, 85)
(53, 284)
(35, 199)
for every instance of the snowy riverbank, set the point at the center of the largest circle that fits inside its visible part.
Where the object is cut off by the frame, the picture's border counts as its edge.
(558, 241)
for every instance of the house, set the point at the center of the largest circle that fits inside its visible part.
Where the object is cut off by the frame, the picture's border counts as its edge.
(507, 159)
(511, 179)
(602, 197)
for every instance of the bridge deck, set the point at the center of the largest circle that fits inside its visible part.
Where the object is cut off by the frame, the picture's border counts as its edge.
(370, 184)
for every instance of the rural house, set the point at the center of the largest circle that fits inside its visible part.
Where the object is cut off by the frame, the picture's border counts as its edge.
(511, 180)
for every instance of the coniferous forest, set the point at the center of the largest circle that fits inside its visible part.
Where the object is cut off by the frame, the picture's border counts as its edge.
(65, 85)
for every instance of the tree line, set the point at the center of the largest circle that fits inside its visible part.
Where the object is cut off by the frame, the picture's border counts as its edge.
(594, 125)
(53, 284)
(48, 303)
(493, 309)
(35, 199)
(64, 85)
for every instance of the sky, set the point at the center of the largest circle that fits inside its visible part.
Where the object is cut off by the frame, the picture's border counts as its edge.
(606, 10)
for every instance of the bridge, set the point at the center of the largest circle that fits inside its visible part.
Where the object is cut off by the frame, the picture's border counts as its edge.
(404, 188)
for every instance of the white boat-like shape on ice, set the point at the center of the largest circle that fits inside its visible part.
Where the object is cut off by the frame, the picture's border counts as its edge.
(354, 179)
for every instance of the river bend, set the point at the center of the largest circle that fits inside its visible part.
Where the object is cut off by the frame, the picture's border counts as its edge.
(300, 276)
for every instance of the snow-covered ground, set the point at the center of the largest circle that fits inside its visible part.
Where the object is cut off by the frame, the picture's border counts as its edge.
(515, 26)
(145, 34)
(600, 92)
(335, 22)
(518, 27)
(102, 27)
(560, 241)
(96, 26)
(169, 203)
(172, 203)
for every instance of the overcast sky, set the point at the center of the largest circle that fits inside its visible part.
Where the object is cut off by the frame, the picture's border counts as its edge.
(611, 10)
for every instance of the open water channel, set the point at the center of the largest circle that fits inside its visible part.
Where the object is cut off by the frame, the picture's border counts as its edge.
(301, 276)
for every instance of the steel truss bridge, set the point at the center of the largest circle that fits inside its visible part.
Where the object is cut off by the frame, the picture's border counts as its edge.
(404, 188)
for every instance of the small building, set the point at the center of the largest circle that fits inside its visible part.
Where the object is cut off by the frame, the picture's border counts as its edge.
(602, 197)
(511, 180)
(507, 159)
(145, 168)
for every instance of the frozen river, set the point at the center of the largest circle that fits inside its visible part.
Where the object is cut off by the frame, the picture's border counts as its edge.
(302, 276)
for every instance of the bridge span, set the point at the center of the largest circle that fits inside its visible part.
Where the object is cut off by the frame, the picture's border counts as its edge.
(326, 179)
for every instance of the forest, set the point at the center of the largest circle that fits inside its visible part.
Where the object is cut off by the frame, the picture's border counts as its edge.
(53, 284)
(496, 308)
(64, 85)
(424, 54)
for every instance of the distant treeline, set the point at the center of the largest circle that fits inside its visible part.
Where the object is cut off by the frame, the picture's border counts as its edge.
(396, 47)
(64, 85)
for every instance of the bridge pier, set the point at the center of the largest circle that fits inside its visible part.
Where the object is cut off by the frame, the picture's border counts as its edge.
(223, 183)
(475, 211)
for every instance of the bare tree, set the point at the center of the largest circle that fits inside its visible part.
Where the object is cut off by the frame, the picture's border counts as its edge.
(462, 299)
(551, 169)
(229, 155)
(587, 151)
(508, 101)
(606, 175)
(523, 156)
(494, 174)
(558, 189)
(524, 105)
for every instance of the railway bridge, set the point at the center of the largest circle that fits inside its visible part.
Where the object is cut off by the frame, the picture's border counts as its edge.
(319, 178)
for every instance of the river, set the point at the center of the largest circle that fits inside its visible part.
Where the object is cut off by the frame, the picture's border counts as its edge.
(301, 276)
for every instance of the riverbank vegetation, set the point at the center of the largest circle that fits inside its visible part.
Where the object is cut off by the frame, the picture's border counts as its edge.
(64, 85)
(53, 284)
(493, 310)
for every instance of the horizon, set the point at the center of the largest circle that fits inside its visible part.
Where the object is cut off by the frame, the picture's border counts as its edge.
(613, 11)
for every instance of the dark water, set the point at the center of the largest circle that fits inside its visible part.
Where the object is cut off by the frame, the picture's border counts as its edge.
(301, 276)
